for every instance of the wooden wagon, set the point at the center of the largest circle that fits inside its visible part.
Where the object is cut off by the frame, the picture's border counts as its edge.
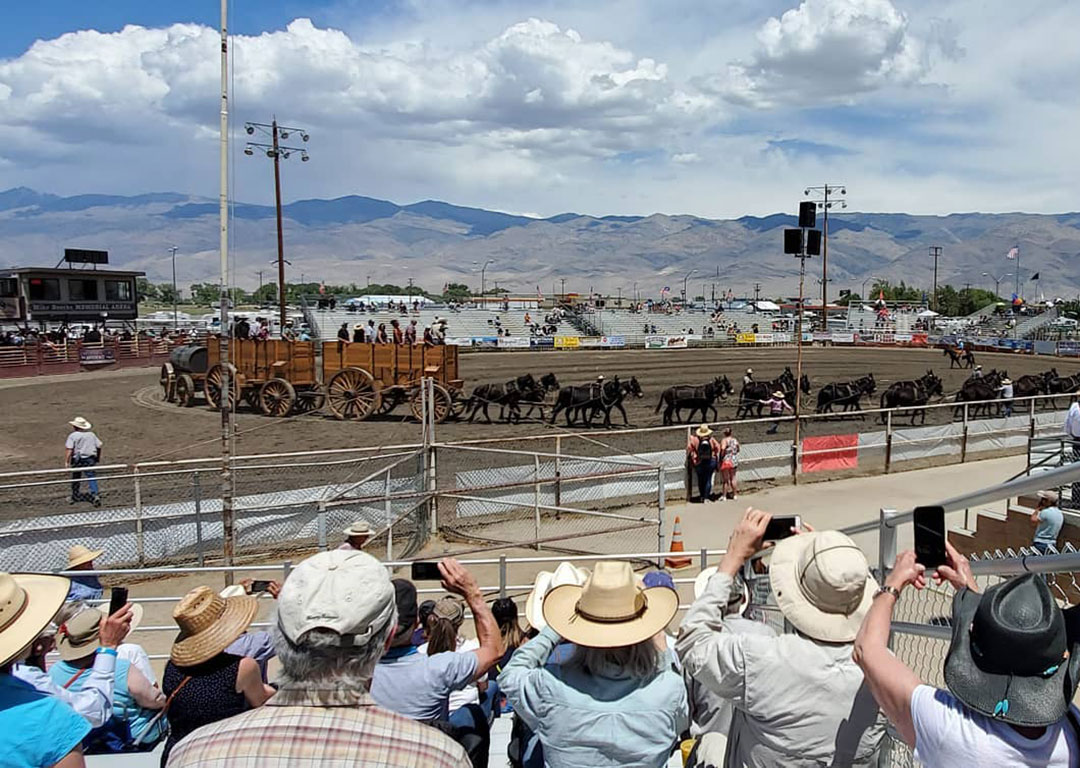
(281, 377)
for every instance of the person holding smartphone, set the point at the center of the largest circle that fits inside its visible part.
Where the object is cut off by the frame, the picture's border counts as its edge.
(799, 699)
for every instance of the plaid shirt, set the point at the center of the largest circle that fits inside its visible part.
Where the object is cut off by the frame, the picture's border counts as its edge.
(305, 727)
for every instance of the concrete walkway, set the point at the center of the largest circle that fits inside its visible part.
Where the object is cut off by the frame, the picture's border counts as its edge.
(840, 503)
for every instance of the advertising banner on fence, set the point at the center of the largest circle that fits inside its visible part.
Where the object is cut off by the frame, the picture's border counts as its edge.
(665, 342)
(97, 356)
(807, 337)
(822, 336)
(459, 341)
(920, 339)
(544, 342)
(781, 338)
(902, 338)
(842, 338)
(613, 342)
(830, 452)
(1069, 348)
(514, 342)
(883, 338)
(764, 338)
(745, 338)
(590, 342)
(486, 342)
(567, 342)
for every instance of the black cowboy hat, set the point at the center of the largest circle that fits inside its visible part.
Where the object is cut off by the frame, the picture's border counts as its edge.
(1015, 655)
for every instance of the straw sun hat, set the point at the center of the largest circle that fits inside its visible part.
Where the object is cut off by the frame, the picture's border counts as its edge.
(703, 431)
(359, 528)
(80, 555)
(208, 624)
(28, 601)
(610, 610)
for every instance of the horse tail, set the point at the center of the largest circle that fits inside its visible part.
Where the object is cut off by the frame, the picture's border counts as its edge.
(660, 402)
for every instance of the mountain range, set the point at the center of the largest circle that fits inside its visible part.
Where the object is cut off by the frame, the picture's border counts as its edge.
(357, 239)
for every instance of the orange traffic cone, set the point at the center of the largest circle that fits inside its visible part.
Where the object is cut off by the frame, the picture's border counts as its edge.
(677, 546)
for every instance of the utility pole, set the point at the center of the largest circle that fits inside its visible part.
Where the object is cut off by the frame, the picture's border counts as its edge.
(935, 251)
(260, 274)
(410, 290)
(175, 324)
(822, 195)
(563, 281)
(276, 151)
(757, 292)
(227, 534)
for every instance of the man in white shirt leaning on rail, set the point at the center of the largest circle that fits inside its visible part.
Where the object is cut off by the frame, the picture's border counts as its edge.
(1072, 431)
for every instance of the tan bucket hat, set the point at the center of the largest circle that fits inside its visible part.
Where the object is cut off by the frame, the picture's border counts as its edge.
(80, 423)
(78, 636)
(703, 431)
(564, 573)
(28, 602)
(822, 584)
(610, 610)
(80, 555)
(208, 624)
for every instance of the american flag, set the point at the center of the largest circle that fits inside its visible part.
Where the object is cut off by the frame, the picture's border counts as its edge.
(665, 291)
(1013, 252)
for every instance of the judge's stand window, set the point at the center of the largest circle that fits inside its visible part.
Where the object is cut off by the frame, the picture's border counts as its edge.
(82, 290)
(118, 290)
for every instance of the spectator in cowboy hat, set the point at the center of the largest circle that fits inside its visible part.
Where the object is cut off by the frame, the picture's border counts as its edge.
(702, 450)
(617, 701)
(799, 699)
(136, 700)
(356, 535)
(81, 558)
(337, 614)
(204, 683)
(258, 645)
(1011, 670)
(358, 333)
(564, 573)
(82, 450)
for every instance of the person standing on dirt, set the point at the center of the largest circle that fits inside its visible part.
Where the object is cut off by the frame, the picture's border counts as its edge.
(702, 451)
(748, 377)
(82, 450)
(729, 464)
(777, 405)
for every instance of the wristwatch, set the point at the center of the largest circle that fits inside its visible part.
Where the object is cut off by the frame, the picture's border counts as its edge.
(887, 590)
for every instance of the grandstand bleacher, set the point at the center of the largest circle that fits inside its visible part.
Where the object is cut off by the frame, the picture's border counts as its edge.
(631, 325)
(460, 322)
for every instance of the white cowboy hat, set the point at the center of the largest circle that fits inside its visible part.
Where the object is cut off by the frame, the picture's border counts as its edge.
(78, 555)
(703, 431)
(565, 573)
(359, 528)
(80, 423)
(822, 584)
(749, 370)
(610, 610)
(1006, 381)
(233, 590)
(778, 394)
(28, 602)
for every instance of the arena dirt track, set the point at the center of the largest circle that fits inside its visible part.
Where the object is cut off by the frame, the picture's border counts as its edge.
(128, 414)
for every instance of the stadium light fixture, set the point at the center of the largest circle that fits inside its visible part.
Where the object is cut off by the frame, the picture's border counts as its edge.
(823, 197)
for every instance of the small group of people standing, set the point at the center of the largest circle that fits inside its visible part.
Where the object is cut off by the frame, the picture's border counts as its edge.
(706, 455)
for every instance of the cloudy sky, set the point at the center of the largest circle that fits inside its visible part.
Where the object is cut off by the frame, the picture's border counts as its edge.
(712, 107)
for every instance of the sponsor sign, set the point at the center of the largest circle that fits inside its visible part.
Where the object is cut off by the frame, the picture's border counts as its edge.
(842, 338)
(808, 338)
(613, 342)
(486, 342)
(746, 338)
(665, 342)
(97, 355)
(459, 341)
(590, 342)
(542, 342)
(514, 342)
(1069, 348)
(902, 338)
(764, 338)
(884, 338)
(567, 342)
(822, 336)
(920, 339)
(781, 338)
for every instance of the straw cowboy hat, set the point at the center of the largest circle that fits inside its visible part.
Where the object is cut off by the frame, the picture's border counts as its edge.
(1015, 655)
(822, 584)
(208, 624)
(749, 370)
(778, 395)
(610, 610)
(80, 423)
(77, 638)
(80, 555)
(564, 573)
(358, 326)
(28, 601)
(1006, 381)
(359, 528)
(703, 431)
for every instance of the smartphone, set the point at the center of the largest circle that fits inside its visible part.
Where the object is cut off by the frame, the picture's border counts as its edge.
(117, 599)
(259, 585)
(930, 536)
(780, 527)
(426, 571)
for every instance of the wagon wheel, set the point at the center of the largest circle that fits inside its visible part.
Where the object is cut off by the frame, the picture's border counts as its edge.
(391, 398)
(185, 390)
(443, 404)
(168, 382)
(352, 394)
(310, 400)
(251, 397)
(277, 397)
(212, 386)
(458, 403)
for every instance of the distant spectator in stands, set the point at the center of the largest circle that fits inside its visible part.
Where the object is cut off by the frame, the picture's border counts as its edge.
(1049, 521)
(262, 333)
(336, 618)
(36, 729)
(1011, 669)
(305, 333)
(204, 682)
(371, 332)
(288, 332)
(241, 328)
(136, 700)
(87, 587)
(729, 464)
(778, 404)
(398, 337)
(358, 333)
(343, 332)
(429, 337)
(356, 535)
(257, 645)
(702, 450)
(410, 332)
(617, 701)
(799, 699)
(82, 452)
(528, 318)
(380, 335)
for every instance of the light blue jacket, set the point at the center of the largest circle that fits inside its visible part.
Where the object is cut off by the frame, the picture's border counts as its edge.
(595, 720)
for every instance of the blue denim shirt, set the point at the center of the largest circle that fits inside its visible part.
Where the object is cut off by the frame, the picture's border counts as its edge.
(595, 720)
(85, 588)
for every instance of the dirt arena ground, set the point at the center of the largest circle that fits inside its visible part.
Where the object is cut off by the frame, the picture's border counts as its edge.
(130, 417)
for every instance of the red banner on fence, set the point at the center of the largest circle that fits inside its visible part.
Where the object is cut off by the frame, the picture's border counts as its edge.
(830, 452)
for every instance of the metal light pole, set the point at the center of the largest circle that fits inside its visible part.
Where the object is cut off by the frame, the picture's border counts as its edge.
(997, 281)
(175, 324)
(227, 534)
(822, 195)
(935, 251)
(276, 151)
(688, 274)
(483, 271)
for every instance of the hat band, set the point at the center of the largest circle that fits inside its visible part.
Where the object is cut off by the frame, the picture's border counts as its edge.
(18, 613)
(579, 611)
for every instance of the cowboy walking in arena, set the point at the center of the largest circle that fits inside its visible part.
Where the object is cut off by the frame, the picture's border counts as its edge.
(82, 450)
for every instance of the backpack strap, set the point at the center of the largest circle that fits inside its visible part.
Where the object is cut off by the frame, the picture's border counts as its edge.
(75, 677)
(162, 712)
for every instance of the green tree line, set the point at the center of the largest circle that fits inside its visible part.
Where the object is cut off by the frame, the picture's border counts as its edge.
(950, 301)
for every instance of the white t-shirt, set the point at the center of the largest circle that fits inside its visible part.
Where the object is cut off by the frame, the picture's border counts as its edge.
(948, 734)
(470, 694)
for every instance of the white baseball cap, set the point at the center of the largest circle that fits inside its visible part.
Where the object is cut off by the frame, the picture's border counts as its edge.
(345, 592)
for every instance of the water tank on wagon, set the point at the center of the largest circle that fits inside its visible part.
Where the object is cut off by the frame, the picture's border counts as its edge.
(189, 358)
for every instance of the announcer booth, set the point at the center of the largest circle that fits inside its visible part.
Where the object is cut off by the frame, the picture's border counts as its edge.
(71, 294)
